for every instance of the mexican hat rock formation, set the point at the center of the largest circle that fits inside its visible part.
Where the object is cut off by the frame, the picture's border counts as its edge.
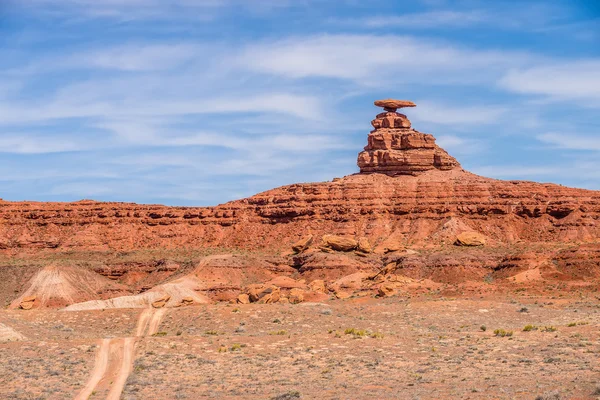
(395, 148)
(408, 189)
(409, 195)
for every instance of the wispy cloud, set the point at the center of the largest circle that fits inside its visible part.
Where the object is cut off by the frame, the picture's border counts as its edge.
(570, 141)
(145, 57)
(17, 143)
(561, 82)
(369, 59)
(196, 101)
(135, 105)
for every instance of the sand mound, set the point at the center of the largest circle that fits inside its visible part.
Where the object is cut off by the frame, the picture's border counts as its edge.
(230, 270)
(221, 276)
(59, 286)
(182, 291)
(8, 334)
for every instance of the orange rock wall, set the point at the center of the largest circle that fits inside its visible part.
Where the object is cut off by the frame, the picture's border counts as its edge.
(414, 209)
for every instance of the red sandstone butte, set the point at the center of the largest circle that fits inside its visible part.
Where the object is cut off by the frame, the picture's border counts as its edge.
(408, 189)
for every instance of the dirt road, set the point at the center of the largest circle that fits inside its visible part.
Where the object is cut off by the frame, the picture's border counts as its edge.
(98, 371)
(121, 358)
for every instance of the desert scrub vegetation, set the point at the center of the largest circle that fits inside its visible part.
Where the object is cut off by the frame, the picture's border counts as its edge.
(502, 333)
(355, 332)
(529, 328)
(237, 347)
(160, 334)
(572, 324)
(233, 347)
(360, 333)
(549, 329)
(278, 333)
(287, 396)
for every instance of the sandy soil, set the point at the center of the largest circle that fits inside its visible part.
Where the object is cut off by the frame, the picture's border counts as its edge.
(120, 352)
(398, 348)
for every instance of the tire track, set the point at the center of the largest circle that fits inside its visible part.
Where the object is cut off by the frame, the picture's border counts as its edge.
(124, 370)
(143, 322)
(156, 320)
(147, 325)
(98, 371)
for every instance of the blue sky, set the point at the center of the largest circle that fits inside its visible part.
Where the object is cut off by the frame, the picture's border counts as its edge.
(198, 102)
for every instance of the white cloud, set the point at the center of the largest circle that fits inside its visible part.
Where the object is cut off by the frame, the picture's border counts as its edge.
(138, 57)
(370, 58)
(136, 106)
(567, 81)
(18, 143)
(570, 141)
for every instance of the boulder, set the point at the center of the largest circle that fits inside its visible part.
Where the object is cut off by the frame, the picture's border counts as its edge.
(340, 294)
(243, 298)
(339, 243)
(270, 295)
(363, 245)
(296, 296)
(256, 292)
(386, 290)
(161, 302)
(318, 285)
(27, 303)
(302, 244)
(470, 239)
(186, 301)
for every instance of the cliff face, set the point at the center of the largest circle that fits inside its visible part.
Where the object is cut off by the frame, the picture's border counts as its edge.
(409, 190)
(391, 227)
(415, 209)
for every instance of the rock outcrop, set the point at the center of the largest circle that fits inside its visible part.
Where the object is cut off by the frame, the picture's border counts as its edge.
(470, 239)
(394, 148)
(375, 232)
(408, 193)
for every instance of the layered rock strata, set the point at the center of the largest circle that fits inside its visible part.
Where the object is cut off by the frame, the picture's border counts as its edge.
(409, 191)
(394, 148)
(412, 208)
